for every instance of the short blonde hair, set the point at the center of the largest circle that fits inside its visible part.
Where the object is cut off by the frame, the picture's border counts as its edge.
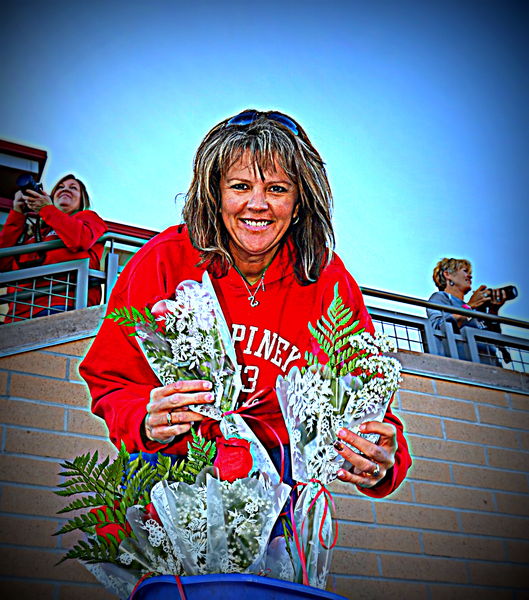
(451, 265)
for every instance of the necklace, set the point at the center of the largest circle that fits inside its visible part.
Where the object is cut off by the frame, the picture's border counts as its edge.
(260, 286)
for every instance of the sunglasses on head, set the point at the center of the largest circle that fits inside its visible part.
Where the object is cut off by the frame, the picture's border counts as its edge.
(249, 116)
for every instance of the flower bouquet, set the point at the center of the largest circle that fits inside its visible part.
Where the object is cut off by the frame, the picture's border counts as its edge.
(123, 540)
(219, 526)
(354, 385)
(172, 519)
(188, 338)
(214, 514)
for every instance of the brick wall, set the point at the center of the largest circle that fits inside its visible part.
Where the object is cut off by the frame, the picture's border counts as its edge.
(459, 525)
(45, 419)
(457, 528)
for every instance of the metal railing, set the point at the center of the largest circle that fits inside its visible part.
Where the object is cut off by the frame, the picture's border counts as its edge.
(416, 333)
(411, 332)
(48, 289)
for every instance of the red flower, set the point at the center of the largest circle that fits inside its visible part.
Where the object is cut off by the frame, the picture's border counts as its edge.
(159, 312)
(234, 459)
(152, 513)
(107, 525)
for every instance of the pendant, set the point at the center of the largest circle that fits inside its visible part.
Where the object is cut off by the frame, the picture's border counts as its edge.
(253, 301)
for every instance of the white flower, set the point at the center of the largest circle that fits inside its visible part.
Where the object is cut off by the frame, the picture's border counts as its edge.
(316, 406)
(125, 558)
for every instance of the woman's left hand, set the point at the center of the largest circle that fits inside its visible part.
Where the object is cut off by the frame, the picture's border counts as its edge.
(367, 470)
(35, 200)
(498, 298)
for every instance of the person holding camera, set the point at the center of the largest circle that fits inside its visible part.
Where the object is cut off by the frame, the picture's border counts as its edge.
(38, 217)
(453, 278)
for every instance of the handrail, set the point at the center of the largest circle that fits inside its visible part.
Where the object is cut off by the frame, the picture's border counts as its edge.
(451, 309)
(119, 238)
(392, 296)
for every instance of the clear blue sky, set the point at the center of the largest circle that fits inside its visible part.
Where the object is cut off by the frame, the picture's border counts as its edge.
(420, 110)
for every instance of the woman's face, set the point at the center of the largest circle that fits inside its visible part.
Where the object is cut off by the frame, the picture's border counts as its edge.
(462, 279)
(256, 210)
(67, 196)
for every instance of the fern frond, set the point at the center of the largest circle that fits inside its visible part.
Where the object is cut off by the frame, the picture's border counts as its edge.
(177, 471)
(200, 454)
(84, 476)
(84, 502)
(132, 317)
(137, 483)
(332, 332)
(84, 522)
(93, 550)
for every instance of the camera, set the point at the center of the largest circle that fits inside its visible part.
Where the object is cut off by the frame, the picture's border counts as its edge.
(511, 292)
(26, 182)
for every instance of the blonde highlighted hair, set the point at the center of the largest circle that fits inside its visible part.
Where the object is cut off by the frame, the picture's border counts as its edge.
(268, 141)
(451, 265)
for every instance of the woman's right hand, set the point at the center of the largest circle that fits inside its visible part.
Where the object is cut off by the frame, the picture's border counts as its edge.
(19, 202)
(168, 413)
(480, 297)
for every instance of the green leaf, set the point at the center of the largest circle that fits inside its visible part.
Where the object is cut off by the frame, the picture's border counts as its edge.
(130, 317)
(332, 332)
(118, 484)
(137, 316)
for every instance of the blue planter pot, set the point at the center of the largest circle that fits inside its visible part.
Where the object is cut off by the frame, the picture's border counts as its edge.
(232, 586)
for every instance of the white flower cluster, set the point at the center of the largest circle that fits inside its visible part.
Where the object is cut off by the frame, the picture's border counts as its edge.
(316, 405)
(192, 348)
(192, 306)
(378, 387)
(219, 526)
(374, 344)
(245, 512)
(192, 526)
(309, 395)
(193, 343)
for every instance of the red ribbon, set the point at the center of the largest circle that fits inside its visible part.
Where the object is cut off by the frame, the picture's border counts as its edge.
(252, 401)
(139, 582)
(151, 574)
(327, 496)
(180, 587)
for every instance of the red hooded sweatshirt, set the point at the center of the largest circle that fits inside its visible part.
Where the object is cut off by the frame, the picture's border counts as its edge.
(80, 233)
(269, 338)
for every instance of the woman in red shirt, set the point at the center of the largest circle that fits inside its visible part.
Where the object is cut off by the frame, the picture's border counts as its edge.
(258, 219)
(63, 214)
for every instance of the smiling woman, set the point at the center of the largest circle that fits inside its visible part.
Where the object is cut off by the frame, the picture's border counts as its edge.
(63, 214)
(257, 208)
(258, 220)
(453, 278)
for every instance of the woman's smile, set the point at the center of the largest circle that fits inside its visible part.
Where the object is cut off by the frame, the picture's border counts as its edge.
(68, 196)
(257, 208)
(258, 225)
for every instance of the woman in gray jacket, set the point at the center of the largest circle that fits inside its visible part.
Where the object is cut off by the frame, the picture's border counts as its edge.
(453, 278)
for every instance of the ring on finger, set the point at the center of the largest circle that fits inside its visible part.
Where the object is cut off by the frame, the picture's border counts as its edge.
(169, 418)
(148, 428)
(376, 471)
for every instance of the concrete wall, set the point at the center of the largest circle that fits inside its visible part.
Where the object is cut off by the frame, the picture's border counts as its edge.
(457, 528)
